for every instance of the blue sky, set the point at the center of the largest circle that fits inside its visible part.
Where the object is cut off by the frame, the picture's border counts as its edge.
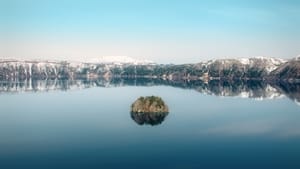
(161, 30)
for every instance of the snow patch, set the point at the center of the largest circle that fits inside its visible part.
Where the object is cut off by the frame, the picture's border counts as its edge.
(244, 61)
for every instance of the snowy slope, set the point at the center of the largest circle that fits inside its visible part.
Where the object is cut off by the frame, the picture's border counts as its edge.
(269, 63)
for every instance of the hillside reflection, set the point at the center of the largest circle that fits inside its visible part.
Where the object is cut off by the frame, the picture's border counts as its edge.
(237, 88)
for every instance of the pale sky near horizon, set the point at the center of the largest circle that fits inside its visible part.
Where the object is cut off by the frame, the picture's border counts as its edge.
(165, 31)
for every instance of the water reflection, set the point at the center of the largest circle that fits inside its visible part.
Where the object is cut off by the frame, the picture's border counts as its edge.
(238, 88)
(43, 127)
(153, 118)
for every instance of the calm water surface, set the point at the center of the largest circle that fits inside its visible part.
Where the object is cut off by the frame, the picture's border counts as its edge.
(93, 128)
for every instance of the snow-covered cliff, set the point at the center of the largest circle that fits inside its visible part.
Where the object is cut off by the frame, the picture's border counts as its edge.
(120, 66)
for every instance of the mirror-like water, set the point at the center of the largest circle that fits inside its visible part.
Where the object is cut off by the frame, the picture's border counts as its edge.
(88, 124)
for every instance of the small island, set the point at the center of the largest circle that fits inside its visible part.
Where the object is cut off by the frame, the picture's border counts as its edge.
(150, 110)
(149, 104)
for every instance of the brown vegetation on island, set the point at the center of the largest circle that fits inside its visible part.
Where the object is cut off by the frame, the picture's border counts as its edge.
(149, 104)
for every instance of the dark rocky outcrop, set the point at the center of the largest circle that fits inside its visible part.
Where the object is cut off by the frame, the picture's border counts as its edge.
(149, 104)
(150, 110)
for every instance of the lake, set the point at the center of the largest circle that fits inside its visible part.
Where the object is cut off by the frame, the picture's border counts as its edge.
(88, 124)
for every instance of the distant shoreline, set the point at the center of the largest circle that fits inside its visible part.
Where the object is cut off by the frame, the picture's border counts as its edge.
(262, 68)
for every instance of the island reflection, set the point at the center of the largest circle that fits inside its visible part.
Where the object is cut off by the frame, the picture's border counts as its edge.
(256, 89)
(145, 118)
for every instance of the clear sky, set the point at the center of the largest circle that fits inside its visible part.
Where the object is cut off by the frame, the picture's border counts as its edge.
(177, 31)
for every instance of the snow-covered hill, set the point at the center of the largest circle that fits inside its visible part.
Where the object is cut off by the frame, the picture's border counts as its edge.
(13, 68)
(120, 66)
(269, 63)
(118, 60)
